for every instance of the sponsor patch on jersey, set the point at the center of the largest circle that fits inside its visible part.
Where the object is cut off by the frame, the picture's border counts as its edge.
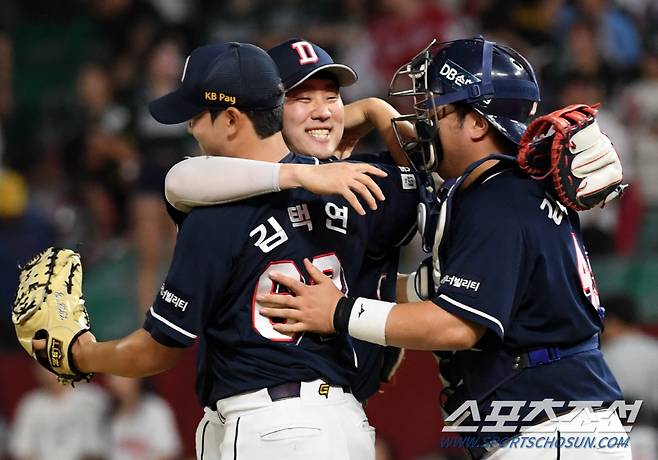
(408, 178)
(468, 285)
(408, 182)
(175, 300)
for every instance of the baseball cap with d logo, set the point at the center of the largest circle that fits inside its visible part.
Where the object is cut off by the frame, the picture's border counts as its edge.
(219, 76)
(298, 60)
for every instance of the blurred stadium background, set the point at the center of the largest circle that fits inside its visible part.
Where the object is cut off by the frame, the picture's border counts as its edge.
(82, 163)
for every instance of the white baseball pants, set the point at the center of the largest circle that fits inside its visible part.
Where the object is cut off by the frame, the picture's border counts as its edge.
(323, 423)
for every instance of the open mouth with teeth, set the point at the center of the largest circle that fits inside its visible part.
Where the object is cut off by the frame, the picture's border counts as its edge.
(321, 134)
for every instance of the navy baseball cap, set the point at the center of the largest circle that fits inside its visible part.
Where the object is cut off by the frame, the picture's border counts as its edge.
(298, 60)
(219, 76)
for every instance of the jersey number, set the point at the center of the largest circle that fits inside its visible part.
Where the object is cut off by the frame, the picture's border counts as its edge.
(586, 276)
(329, 264)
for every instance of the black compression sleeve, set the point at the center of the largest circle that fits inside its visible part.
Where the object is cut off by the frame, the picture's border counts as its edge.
(342, 314)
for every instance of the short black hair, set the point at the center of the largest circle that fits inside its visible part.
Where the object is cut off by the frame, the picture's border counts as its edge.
(267, 122)
(462, 109)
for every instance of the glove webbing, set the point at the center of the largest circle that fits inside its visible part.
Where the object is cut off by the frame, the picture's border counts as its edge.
(30, 308)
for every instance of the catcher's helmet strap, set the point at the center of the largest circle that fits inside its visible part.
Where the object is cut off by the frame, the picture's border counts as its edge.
(487, 88)
(487, 59)
(501, 89)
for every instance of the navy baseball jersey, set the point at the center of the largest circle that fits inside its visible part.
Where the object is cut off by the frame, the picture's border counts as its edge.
(221, 263)
(377, 280)
(513, 261)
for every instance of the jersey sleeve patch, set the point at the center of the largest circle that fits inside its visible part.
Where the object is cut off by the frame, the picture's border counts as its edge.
(463, 284)
(168, 297)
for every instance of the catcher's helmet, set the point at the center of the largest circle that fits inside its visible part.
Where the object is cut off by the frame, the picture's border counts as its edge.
(493, 79)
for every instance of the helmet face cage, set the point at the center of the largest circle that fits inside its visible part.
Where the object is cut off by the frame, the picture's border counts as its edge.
(424, 151)
(429, 92)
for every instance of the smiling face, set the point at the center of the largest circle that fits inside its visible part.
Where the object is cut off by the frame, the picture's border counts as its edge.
(313, 118)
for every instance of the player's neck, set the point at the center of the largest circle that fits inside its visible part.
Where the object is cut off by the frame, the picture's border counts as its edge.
(271, 149)
(481, 150)
(477, 172)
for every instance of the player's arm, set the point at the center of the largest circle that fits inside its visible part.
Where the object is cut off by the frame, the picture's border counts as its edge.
(210, 180)
(136, 355)
(322, 308)
(363, 116)
(426, 326)
(473, 299)
(175, 319)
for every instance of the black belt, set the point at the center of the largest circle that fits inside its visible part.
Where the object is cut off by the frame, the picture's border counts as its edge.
(288, 390)
(293, 390)
(285, 391)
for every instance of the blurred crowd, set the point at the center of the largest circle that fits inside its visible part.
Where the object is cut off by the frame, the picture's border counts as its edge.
(122, 420)
(82, 162)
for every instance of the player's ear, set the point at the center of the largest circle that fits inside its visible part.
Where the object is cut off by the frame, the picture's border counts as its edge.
(477, 125)
(233, 119)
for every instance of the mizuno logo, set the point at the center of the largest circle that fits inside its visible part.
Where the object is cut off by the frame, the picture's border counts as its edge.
(362, 311)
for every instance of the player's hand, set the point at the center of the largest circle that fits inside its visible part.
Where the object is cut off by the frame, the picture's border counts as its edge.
(311, 308)
(346, 179)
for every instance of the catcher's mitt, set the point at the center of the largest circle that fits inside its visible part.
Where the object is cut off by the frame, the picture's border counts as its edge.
(568, 146)
(49, 305)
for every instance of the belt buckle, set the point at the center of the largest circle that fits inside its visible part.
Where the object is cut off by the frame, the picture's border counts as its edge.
(536, 357)
(543, 356)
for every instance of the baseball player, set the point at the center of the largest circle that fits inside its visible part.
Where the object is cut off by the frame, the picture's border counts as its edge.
(514, 303)
(278, 396)
(313, 125)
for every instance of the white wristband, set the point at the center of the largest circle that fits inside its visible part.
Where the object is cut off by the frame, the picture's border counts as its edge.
(276, 187)
(368, 320)
(412, 293)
